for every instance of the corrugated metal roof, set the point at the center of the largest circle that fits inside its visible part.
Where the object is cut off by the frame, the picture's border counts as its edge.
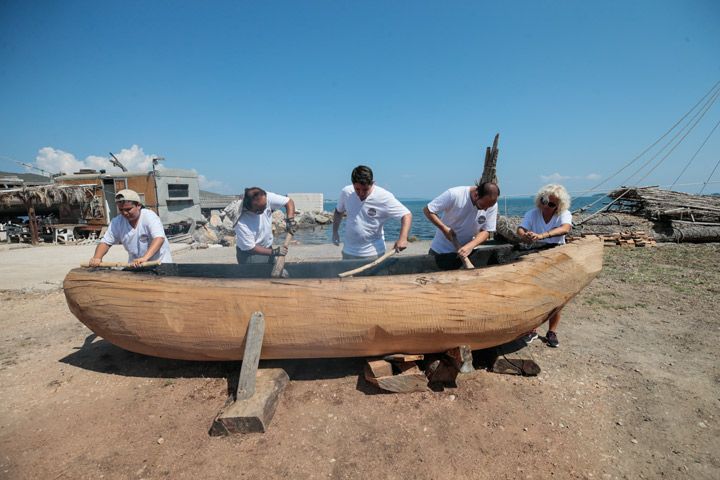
(28, 178)
(216, 200)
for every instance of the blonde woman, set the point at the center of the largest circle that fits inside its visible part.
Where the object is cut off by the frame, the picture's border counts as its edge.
(548, 223)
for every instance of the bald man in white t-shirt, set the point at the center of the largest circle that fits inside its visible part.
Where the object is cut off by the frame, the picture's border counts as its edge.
(464, 215)
(253, 230)
(368, 207)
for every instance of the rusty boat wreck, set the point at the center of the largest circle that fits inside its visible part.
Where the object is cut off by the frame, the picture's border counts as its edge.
(405, 304)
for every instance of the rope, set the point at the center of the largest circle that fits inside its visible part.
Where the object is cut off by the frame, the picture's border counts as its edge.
(708, 179)
(709, 92)
(696, 153)
(603, 208)
(707, 106)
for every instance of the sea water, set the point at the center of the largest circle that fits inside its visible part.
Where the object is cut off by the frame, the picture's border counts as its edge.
(422, 229)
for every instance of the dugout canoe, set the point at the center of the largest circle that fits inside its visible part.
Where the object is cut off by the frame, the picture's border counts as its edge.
(201, 312)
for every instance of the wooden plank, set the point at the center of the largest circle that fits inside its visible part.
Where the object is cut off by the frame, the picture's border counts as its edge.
(404, 357)
(377, 368)
(410, 379)
(254, 414)
(251, 356)
(409, 368)
(410, 383)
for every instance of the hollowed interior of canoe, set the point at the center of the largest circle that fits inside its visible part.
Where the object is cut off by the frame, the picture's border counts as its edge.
(489, 254)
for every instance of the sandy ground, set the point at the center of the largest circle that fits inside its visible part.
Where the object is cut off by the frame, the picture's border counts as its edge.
(23, 267)
(632, 392)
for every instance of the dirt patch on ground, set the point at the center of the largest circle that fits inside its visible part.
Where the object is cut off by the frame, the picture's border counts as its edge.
(632, 392)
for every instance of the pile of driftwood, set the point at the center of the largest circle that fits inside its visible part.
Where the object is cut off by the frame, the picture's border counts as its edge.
(609, 224)
(668, 216)
(666, 205)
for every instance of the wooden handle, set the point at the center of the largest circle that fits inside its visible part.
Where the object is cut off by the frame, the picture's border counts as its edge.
(466, 261)
(154, 263)
(349, 273)
(280, 261)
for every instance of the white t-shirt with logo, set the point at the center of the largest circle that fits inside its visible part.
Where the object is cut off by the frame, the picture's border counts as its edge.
(364, 234)
(458, 212)
(137, 240)
(534, 222)
(256, 229)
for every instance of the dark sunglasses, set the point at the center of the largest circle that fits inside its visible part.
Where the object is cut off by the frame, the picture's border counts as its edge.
(548, 203)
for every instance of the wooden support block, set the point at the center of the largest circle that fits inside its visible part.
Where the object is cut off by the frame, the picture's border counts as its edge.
(251, 356)
(516, 366)
(252, 414)
(441, 371)
(408, 368)
(378, 368)
(410, 379)
(403, 357)
(462, 359)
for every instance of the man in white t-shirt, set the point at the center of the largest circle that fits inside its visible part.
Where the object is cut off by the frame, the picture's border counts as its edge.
(368, 207)
(253, 230)
(139, 230)
(469, 215)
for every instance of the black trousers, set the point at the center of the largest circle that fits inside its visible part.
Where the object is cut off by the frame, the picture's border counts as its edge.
(446, 261)
(248, 257)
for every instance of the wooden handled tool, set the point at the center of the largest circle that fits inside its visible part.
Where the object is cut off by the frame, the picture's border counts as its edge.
(466, 261)
(153, 263)
(280, 261)
(349, 273)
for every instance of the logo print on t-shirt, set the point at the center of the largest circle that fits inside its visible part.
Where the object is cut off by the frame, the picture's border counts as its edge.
(372, 212)
(481, 219)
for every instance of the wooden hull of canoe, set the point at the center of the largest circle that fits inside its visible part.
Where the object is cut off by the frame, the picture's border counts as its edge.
(206, 318)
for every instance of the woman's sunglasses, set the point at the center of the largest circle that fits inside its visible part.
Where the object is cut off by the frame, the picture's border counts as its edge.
(547, 202)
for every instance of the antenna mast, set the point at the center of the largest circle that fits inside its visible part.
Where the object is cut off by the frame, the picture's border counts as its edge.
(117, 163)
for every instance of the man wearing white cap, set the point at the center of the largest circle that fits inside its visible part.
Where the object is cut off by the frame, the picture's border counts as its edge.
(138, 229)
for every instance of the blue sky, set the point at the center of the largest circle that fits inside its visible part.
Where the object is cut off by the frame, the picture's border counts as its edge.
(292, 95)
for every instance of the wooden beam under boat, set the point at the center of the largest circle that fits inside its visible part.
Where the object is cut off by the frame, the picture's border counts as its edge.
(201, 318)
